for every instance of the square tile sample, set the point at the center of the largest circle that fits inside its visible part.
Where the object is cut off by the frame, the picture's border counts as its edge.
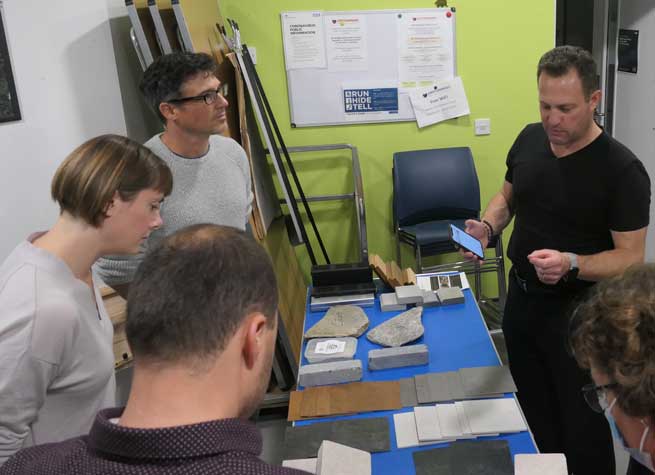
(540, 464)
(433, 387)
(490, 416)
(450, 295)
(433, 462)
(449, 421)
(340, 459)
(408, 392)
(481, 457)
(427, 424)
(430, 299)
(406, 294)
(487, 380)
(405, 426)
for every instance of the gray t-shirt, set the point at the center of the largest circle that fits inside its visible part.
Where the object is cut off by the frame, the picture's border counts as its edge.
(215, 188)
(56, 351)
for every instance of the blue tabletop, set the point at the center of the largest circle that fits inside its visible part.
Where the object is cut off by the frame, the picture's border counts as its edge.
(456, 337)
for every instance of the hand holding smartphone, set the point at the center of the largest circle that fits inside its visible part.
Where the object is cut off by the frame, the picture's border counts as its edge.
(466, 241)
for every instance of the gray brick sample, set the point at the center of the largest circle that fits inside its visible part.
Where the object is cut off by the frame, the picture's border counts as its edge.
(398, 357)
(408, 392)
(370, 434)
(430, 299)
(487, 380)
(389, 303)
(339, 459)
(322, 374)
(406, 294)
(450, 295)
(320, 357)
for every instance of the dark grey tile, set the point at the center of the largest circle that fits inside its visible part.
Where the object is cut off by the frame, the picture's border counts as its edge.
(432, 462)
(487, 380)
(369, 434)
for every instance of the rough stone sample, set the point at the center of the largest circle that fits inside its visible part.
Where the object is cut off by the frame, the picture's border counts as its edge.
(398, 330)
(450, 295)
(406, 294)
(326, 350)
(398, 357)
(340, 320)
(321, 374)
(340, 459)
(389, 303)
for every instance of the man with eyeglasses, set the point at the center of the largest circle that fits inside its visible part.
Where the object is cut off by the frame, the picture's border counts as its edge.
(211, 174)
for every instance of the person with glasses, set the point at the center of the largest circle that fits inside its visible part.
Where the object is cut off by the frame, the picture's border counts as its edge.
(612, 334)
(211, 172)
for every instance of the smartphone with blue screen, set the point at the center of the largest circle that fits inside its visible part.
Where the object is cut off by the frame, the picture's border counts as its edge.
(466, 241)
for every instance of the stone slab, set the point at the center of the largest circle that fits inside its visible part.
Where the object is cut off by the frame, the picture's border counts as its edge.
(334, 458)
(306, 465)
(405, 427)
(487, 380)
(433, 462)
(427, 424)
(328, 354)
(340, 320)
(401, 329)
(489, 416)
(450, 295)
(389, 303)
(408, 294)
(398, 357)
(433, 387)
(430, 299)
(491, 455)
(455, 387)
(449, 421)
(540, 464)
(370, 434)
(408, 392)
(336, 372)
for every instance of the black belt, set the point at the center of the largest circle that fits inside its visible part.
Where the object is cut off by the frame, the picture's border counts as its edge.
(535, 288)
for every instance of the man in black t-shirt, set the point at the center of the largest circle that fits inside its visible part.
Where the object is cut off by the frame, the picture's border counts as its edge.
(581, 205)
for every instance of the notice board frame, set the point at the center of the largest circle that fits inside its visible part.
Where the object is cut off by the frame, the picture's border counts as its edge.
(315, 93)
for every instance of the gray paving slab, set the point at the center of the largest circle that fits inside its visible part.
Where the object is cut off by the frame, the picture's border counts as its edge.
(487, 380)
(433, 462)
(432, 387)
(413, 355)
(389, 303)
(339, 459)
(450, 295)
(408, 294)
(329, 349)
(335, 372)
(370, 434)
(408, 392)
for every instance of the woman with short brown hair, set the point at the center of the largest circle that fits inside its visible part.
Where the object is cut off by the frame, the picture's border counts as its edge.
(56, 357)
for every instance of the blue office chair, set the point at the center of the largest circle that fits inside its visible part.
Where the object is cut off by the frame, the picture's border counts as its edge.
(432, 189)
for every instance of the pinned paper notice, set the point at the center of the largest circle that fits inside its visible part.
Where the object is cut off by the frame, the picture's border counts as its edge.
(330, 347)
(442, 101)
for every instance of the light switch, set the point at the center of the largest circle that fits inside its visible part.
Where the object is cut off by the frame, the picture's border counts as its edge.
(482, 126)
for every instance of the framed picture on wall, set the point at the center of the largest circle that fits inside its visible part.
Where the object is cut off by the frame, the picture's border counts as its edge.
(9, 109)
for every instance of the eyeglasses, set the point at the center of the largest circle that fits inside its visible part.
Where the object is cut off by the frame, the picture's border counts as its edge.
(596, 396)
(209, 97)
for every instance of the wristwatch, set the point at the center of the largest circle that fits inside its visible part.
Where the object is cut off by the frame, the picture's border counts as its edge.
(573, 266)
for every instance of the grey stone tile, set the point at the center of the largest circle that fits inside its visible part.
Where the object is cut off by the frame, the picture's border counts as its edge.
(370, 434)
(408, 392)
(487, 380)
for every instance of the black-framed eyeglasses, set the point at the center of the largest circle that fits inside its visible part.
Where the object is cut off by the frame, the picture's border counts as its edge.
(595, 395)
(208, 97)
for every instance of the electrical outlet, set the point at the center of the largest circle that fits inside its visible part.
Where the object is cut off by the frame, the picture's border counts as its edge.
(482, 126)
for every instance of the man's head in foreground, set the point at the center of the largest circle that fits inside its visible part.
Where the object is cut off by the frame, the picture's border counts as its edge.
(202, 323)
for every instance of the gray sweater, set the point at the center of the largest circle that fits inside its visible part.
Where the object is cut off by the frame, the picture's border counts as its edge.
(214, 188)
(56, 355)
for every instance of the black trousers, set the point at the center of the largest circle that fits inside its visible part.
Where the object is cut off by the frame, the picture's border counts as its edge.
(549, 382)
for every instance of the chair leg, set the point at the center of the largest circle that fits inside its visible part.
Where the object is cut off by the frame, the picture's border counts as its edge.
(419, 264)
(478, 281)
(398, 256)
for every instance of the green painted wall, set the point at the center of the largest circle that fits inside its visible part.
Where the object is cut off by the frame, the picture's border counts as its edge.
(498, 46)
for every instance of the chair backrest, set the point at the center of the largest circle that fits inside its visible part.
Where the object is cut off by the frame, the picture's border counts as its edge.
(434, 184)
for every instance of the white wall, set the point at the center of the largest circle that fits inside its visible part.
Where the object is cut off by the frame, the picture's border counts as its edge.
(634, 122)
(66, 79)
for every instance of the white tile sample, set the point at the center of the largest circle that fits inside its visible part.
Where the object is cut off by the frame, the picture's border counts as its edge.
(427, 423)
(540, 464)
(405, 426)
(463, 421)
(449, 421)
(489, 416)
(307, 465)
(340, 459)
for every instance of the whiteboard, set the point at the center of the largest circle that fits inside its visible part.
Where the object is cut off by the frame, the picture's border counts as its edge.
(317, 92)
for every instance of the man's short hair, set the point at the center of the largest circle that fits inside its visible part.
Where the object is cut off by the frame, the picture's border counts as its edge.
(192, 292)
(163, 79)
(87, 180)
(559, 61)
